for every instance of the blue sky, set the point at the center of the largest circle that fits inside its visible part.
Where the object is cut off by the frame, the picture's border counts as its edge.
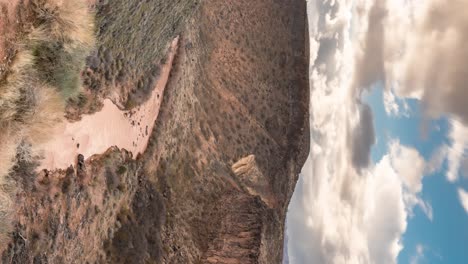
(444, 239)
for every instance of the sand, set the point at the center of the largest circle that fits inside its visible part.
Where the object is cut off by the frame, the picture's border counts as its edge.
(96, 133)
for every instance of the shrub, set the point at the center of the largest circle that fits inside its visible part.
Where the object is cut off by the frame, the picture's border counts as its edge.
(61, 43)
(8, 142)
(43, 76)
(5, 216)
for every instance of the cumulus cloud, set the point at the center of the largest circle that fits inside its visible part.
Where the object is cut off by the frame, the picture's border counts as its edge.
(455, 153)
(411, 168)
(371, 64)
(434, 62)
(409, 164)
(463, 196)
(386, 214)
(346, 209)
(364, 226)
(325, 228)
(417, 48)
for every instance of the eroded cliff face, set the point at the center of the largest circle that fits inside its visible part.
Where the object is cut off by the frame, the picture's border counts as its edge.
(224, 155)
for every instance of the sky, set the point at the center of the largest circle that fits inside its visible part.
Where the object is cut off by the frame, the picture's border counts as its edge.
(386, 178)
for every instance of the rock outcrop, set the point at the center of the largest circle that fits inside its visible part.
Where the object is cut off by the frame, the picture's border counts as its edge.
(253, 180)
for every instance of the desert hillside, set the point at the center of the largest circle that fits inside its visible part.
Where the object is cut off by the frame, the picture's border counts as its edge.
(223, 157)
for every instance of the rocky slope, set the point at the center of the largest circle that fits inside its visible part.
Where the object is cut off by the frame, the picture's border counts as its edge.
(224, 156)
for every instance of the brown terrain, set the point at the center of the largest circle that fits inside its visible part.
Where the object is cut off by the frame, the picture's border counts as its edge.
(223, 157)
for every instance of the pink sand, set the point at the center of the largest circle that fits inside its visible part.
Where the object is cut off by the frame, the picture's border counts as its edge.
(96, 133)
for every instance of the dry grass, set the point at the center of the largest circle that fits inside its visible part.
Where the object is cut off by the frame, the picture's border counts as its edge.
(49, 113)
(14, 91)
(61, 43)
(44, 74)
(8, 144)
(5, 216)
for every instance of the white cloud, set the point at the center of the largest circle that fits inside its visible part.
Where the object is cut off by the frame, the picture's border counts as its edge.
(419, 255)
(346, 209)
(427, 61)
(455, 153)
(364, 226)
(437, 159)
(409, 165)
(463, 195)
(395, 106)
(345, 217)
(411, 168)
(391, 106)
(434, 62)
(417, 48)
(457, 149)
(413, 200)
(386, 214)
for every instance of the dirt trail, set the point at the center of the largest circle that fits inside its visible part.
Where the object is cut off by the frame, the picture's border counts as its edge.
(94, 134)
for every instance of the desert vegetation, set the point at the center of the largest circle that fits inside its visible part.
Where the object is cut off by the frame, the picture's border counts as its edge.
(53, 38)
(129, 66)
(237, 87)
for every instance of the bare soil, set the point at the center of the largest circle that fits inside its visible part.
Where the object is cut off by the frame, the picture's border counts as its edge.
(97, 132)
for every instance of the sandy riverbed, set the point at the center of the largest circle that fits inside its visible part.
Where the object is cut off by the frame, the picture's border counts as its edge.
(94, 134)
